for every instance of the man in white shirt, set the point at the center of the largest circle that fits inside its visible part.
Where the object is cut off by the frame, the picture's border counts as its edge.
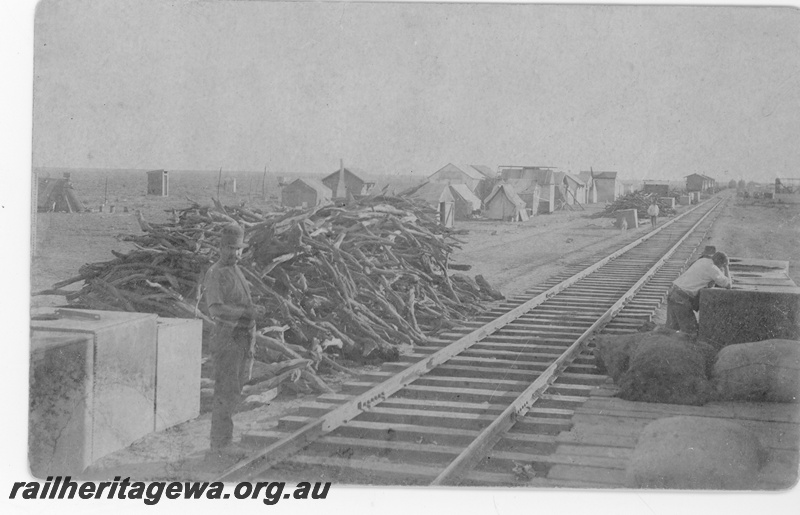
(684, 296)
(652, 211)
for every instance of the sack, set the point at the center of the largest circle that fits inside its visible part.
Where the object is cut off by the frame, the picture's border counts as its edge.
(758, 371)
(695, 453)
(669, 369)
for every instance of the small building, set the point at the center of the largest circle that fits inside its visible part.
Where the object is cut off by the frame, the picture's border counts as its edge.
(660, 188)
(158, 183)
(591, 187)
(607, 187)
(699, 182)
(503, 203)
(347, 180)
(632, 186)
(536, 185)
(471, 175)
(573, 188)
(464, 200)
(304, 193)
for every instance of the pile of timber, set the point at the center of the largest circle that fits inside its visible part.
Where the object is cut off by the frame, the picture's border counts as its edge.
(638, 200)
(372, 275)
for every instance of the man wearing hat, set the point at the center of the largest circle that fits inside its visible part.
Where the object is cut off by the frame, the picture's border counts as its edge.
(227, 296)
(684, 296)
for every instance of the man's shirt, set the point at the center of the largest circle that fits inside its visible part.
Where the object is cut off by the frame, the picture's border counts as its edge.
(226, 285)
(702, 272)
(652, 210)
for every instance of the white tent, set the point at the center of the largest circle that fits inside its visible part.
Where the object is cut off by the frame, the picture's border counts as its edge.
(503, 203)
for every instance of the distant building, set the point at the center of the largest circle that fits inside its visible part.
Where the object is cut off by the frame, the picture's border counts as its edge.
(474, 176)
(572, 188)
(699, 182)
(607, 187)
(347, 180)
(305, 193)
(660, 188)
(591, 188)
(631, 186)
(536, 185)
(158, 183)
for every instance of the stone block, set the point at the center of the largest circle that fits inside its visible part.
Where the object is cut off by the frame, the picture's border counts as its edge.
(59, 419)
(684, 200)
(749, 315)
(630, 215)
(123, 385)
(669, 201)
(178, 360)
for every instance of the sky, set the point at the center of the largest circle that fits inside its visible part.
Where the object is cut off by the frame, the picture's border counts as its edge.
(652, 92)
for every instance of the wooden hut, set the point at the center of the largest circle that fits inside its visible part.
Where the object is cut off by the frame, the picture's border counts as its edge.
(504, 204)
(607, 186)
(699, 182)
(591, 187)
(158, 183)
(660, 188)
(536, 185)
(304, 193)
(347, 180)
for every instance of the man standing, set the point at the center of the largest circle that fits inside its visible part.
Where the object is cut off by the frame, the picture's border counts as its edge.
(684, 296)
(230, 306)
(653, 211)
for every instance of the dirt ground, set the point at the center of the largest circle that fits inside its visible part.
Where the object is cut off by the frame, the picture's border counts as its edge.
(511, 256)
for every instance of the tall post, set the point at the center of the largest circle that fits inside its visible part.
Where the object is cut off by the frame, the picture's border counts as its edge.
(264, 184)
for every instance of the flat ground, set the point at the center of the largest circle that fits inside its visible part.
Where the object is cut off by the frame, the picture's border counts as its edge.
(511, 256)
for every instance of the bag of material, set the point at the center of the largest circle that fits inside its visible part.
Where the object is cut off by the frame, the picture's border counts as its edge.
(695, 453)
(668, 369)
(759, 371)
(612, 352)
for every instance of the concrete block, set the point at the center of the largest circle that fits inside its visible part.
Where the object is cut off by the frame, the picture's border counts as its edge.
(123, 390)
(178, 359)
(59, 419)
(669, 201)
(685, 200)
(749, 315)
(631, 215)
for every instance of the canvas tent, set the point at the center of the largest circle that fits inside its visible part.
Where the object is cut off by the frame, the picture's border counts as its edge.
(57, 195)
(347, 180)
(471, 175)
(433, 193)
(503, 203)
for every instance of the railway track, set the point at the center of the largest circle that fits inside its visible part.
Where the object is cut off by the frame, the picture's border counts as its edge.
(483, 405)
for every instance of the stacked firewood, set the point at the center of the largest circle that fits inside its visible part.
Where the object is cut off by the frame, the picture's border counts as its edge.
(638, 200)
(364, 277)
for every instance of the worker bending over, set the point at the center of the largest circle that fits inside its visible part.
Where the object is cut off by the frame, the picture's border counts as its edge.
(230, 306)
(683, 299)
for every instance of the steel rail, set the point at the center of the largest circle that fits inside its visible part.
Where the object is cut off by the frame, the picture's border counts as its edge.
(310, 432)
(522, 404)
